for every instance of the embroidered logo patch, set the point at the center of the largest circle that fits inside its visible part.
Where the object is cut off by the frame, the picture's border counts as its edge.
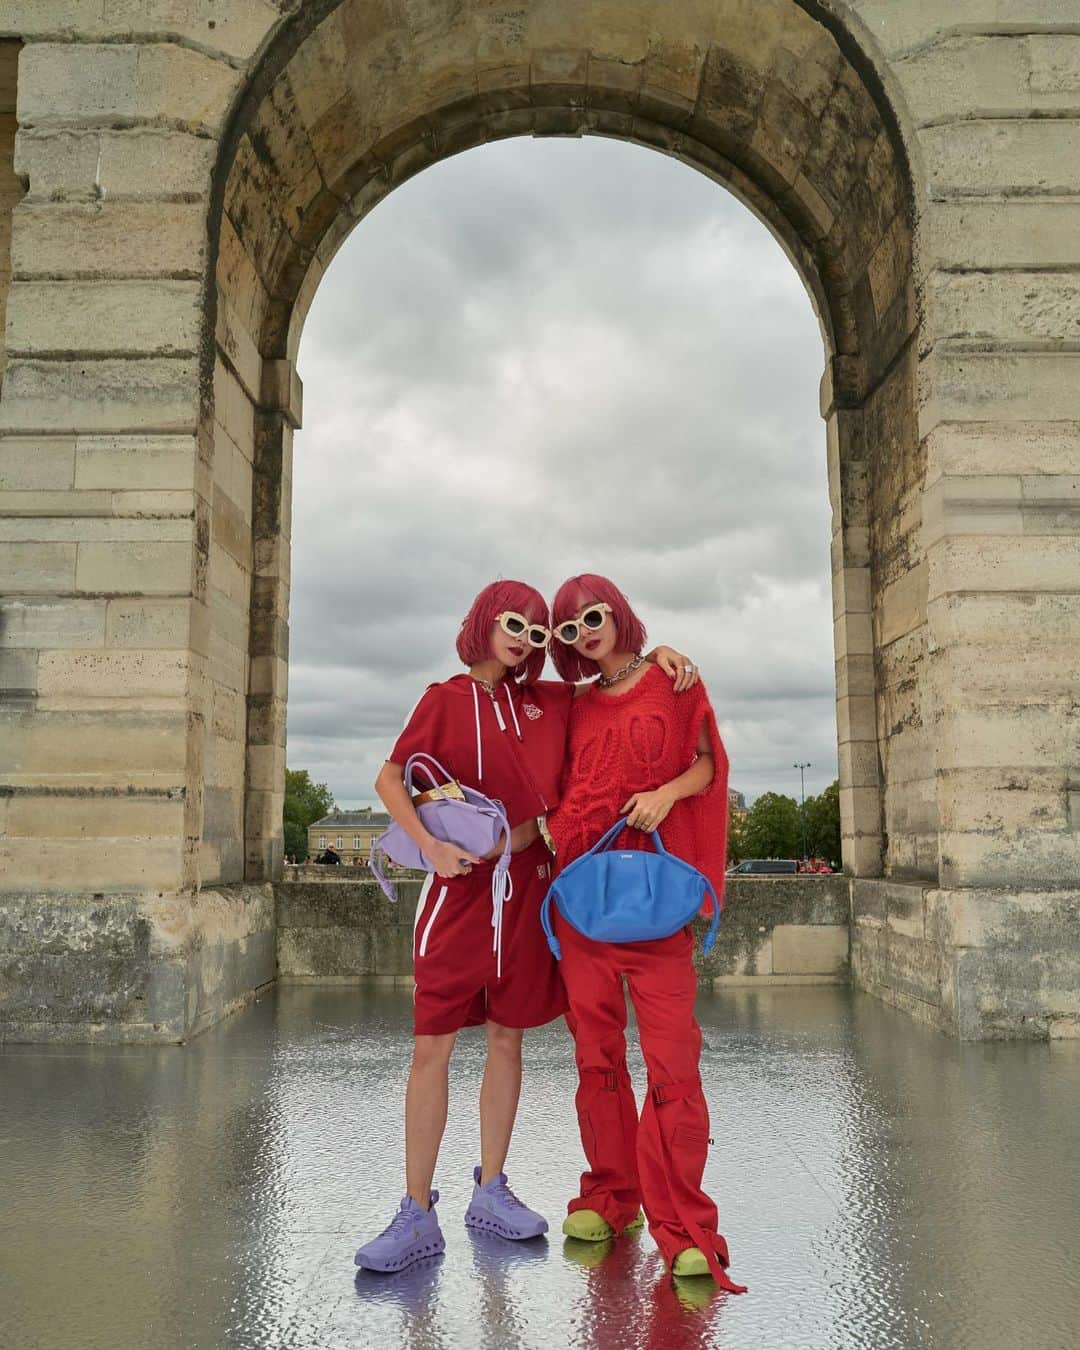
(532, 712)
(543, 871)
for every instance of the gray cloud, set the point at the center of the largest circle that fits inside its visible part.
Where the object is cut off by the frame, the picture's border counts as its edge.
(546, 357)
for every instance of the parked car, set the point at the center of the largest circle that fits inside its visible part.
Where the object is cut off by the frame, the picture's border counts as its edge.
(816, 867)
(765, 867)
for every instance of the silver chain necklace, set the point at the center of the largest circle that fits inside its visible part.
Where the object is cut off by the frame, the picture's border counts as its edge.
(606, 681)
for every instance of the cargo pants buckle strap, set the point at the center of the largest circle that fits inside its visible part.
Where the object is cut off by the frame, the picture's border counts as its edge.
(610, 1076)
(662, 1093)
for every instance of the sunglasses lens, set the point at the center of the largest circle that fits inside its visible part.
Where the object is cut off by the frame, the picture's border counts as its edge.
(568, 633)
(538, 637)
(513, 625)
(593, 619)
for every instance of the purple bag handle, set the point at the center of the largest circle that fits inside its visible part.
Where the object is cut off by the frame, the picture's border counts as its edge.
(423, 761)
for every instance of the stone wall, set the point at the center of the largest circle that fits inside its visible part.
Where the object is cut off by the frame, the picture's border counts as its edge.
(119, 968)
(774, 930)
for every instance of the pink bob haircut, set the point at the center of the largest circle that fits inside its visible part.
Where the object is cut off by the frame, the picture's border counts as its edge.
(570, 599)
(474, 639)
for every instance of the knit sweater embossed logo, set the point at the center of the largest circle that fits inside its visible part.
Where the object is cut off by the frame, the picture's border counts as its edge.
(635, 742)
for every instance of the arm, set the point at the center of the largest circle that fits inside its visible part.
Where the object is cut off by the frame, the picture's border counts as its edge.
(647, 810)
(449, 859)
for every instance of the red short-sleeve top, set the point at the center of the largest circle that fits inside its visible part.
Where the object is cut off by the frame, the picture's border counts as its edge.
(510, 746)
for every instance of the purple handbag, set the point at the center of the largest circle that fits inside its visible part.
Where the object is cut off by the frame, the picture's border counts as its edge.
(453, 812)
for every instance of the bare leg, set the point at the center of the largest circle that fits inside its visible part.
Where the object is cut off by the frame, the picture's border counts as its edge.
(426, 1100)
(499, 1097)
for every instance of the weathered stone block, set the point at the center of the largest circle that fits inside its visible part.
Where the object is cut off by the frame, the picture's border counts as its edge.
(998, 617)
(1012, 156)
(84, 83)
(147, 676)
(18, 673)
(117, 239)
(853, 634)
(144, 568)
(130, 968)
(1003, 563)
(176, 84)
(114, 815)
(1034, 858)
(131, 462)
(1002, 307)
(150, 863)
(809, 949)
(158, 394)
(37, 568)
(1007, 387)
(1027, 232)
(100, 317)
(36, 463)
(93, 748)
(148, 623)
(1002, 448)
(896, 28)
(59, 164)
(52, 623)
(990, 74)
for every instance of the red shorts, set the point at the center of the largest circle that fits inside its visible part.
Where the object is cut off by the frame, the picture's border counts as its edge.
(454, 958)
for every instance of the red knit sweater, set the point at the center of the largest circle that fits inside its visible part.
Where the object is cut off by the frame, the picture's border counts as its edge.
(619, 744)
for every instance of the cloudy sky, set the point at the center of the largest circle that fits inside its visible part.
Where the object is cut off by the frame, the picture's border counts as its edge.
(544, 357)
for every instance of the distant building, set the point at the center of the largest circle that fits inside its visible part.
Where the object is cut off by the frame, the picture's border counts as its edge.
(736, 803)
(349, 832)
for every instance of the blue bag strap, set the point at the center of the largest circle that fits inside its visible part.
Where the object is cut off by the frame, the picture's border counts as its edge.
(545, 923)
(607, 838)
(710, 936)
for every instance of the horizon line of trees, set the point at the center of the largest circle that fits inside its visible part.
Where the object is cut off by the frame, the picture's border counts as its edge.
(771, 828)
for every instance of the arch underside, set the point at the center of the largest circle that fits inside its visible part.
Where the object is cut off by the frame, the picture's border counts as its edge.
(760, 98)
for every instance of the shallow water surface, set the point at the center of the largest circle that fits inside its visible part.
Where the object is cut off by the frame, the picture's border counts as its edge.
(878, 1185)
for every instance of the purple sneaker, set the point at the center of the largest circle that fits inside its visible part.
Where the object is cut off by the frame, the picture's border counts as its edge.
(413, 1233)
(496, 1209)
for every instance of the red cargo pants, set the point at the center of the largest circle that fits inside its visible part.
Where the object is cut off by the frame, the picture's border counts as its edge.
(659, 1160)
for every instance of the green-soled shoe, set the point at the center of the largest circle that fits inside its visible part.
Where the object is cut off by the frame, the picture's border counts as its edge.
(690, 1262)
(587, 1226)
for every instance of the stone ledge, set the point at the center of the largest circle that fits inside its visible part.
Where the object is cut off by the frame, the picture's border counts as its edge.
(339, 928)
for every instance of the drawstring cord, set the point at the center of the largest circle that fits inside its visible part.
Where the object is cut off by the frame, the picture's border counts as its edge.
(502, 891)
(479, 751)
(513, 711)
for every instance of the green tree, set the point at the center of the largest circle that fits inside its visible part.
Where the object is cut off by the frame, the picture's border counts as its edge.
(736, 845)
(305, 802)
(823, 825)
(772, 828)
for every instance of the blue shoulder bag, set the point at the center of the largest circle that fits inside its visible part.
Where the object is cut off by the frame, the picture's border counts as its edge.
(628, 895)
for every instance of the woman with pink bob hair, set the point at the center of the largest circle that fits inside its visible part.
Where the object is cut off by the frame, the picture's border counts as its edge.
(635, 750)
(502, 730)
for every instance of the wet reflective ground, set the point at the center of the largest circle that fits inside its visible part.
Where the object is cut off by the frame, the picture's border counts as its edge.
(879, 1186)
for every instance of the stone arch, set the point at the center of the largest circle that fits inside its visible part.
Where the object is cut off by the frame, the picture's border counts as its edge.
(762, 97)
(767, 99)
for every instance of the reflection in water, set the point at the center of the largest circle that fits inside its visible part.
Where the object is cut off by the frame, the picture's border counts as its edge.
(411, 1293)
(880, 1186)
